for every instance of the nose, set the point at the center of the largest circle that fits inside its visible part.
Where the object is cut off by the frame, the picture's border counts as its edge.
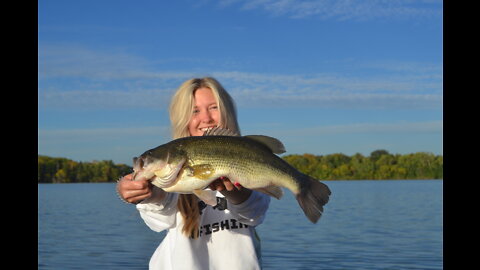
(206, 117)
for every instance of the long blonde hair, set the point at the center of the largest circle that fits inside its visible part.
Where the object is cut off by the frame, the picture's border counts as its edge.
(181, 110)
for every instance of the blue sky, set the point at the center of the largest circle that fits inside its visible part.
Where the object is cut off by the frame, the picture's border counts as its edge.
(322, 76)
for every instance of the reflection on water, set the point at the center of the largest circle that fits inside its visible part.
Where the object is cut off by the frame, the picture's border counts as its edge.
(366, 225)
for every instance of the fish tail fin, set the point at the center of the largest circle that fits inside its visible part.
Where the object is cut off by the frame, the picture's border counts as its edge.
(312, 197)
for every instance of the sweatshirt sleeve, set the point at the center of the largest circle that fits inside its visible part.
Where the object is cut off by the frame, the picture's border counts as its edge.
(160, 216)
(252, 211)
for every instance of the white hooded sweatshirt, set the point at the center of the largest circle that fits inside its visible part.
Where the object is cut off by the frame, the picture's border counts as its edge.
(228, 239)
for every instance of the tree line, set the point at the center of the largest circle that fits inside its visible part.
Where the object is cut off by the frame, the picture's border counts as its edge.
(379, 165)
(62, 170)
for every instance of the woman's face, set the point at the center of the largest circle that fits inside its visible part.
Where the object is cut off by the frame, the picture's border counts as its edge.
(205, 112)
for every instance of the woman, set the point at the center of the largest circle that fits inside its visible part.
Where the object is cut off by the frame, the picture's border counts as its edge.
(201, 236)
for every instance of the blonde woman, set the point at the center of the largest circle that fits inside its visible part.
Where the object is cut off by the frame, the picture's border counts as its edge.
(201, 236)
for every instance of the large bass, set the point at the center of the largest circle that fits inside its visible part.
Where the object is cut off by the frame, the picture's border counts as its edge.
(190, 164)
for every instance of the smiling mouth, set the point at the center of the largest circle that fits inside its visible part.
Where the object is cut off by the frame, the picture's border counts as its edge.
(207, 128)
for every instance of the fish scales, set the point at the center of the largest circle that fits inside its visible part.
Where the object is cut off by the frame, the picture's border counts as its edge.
(190, 164)
(239, 157)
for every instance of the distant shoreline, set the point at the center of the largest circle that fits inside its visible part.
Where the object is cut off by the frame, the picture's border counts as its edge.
(380, 165)
(323, 180)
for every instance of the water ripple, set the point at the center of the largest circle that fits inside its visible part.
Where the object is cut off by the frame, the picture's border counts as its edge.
(366, 225)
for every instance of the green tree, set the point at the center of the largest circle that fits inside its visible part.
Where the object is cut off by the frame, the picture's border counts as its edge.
(379, 165)
(62, 170)
(375, 155)
(361, 166)
(60, 177)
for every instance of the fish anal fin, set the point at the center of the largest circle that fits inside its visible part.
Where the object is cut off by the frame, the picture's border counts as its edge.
(208, 196)
(274, 191)
(273, 144)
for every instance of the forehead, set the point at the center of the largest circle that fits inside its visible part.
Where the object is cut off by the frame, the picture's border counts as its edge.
(204, 96)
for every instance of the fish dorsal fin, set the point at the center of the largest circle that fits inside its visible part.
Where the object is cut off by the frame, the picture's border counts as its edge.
(218, 131)
(275, 145)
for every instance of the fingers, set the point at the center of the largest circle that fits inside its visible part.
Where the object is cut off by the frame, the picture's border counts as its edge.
(224, 183)
(228, 185)
(138, 196)
(216, 185)
(134, 191)
(128, 177)
(238, 186)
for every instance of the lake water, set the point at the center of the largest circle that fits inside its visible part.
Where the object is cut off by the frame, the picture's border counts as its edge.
(366, 225)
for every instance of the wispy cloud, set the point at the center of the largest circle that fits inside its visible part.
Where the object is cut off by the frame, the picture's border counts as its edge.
(342, 9)
(119, 80)
(122, 143)
(394, 128)
(86, 134)
(86, 144)
(103, 99)
(362, 137)
(79, 62)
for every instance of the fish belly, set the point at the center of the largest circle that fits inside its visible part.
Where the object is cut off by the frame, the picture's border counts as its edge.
(187, 185)
(258, 177)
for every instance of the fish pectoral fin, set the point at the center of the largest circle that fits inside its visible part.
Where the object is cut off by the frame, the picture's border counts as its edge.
(273, 144)
(168, 174)
(274, 191)
(202, 171)
(208, 196)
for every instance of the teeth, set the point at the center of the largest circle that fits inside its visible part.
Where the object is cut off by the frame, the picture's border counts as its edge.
(207, 128)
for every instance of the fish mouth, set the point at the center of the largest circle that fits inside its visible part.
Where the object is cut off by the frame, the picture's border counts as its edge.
(145, 166)
(139, 164)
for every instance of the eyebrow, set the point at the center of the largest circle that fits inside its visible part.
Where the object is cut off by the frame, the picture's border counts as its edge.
(213, 103)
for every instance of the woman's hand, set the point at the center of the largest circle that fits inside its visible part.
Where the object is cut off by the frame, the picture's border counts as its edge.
(224, 183)
(234, 192)
(134, 191)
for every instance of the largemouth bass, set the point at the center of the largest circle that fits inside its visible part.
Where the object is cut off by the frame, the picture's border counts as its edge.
(188, 165)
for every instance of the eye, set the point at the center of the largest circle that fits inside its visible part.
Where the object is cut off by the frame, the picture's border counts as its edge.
(214, 107)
